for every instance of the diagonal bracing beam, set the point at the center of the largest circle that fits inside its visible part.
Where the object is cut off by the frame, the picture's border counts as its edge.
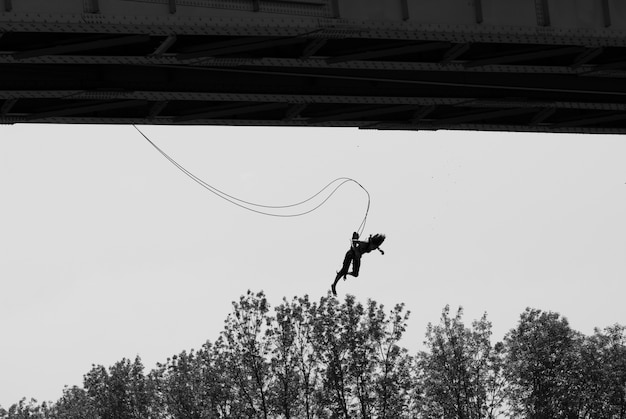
(294, 111)
(389, 52)
(234, 42)
(526, 56)
(82, 109)
(587, 56)
(616, 65)
(312, 47)
(157, 108)
(7, 106)
(541, 116)
(82, 46)
(361, 113)
(613, 117)
(165, 45)
(480, 116)
(422, 113)
(217, 50)
(455, 52)
(230, 110)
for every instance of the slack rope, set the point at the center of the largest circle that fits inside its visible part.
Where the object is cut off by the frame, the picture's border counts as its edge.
(339, 182)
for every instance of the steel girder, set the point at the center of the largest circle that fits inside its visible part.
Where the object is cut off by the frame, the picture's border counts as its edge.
(535, 65)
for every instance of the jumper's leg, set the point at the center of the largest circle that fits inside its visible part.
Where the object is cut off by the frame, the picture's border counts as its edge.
(332, 287)
(344, 269)
(356, 266)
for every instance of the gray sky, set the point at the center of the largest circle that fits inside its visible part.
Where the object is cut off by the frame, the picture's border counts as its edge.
(107, 251)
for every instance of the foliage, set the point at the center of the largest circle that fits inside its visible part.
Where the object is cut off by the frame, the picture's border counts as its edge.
(121, 392)
(542, 366)
(27, 409)
(461, 371)
(343, 359)
(603, 365)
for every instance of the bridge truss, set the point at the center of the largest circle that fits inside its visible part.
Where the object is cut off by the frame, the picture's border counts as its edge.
(503, 65)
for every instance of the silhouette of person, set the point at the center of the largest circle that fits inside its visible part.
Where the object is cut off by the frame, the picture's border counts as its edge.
(353, 256)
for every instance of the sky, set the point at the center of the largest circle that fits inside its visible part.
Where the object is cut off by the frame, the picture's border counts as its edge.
(107, 251)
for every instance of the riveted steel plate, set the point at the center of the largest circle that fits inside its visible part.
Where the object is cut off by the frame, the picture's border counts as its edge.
(316, 8)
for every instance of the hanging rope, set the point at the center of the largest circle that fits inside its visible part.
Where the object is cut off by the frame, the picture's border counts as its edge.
(339, 182)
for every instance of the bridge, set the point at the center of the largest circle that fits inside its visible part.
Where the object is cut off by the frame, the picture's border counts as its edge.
(498, 65)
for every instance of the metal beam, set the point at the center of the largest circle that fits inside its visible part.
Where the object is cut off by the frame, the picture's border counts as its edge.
(617, 65)
(542, 12)
(606, 13)
(422, 113)
(220, 111)
(527, 56)
(478, 11)
(542, 116)
(480, 116)
(311, 2)
(404, 4)
(82, 109)
(312, 47)
(592, 120)
(82, 46)
(8, 5)
(165, 45)
(454, 53)
(215, 51)
(361, 113)
(389, 52)
(172, 5)
(464, 82)
(326, 99)
(294, 111)
(233, 42)
(587, 56)
(157, 108)
(7, 106)
(335, 6)
(91, 6)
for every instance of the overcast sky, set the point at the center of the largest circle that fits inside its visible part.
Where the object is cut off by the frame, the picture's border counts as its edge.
(108, 251)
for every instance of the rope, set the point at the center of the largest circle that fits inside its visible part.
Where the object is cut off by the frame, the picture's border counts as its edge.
(247, 204)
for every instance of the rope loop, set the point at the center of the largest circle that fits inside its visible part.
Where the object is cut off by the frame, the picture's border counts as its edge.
(250, 206)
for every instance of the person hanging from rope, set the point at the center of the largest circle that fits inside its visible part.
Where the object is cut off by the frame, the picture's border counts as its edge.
(357, 249)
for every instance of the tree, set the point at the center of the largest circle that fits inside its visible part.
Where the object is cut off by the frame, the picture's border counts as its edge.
(303, 313)
(246, 349)
(460, 375)
(75, 403)
(343, 359)
(286, 386)
(30, 409)
(333, 331)
(393, 382)
(179, 383)
(122, 392)
(603, 364)
(365, 373)
(543, 367)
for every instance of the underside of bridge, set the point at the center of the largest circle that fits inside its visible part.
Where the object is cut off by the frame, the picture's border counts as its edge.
(508, 65)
